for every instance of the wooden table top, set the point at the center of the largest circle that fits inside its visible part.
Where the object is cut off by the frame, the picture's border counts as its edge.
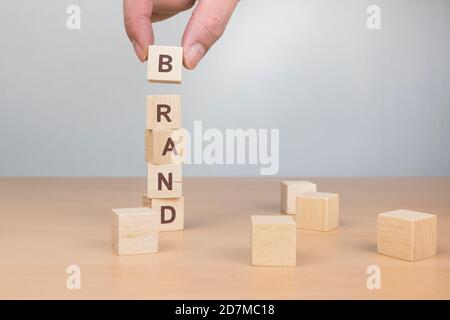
(47, 224)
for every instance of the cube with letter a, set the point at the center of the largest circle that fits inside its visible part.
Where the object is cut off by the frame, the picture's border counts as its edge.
(164, 146)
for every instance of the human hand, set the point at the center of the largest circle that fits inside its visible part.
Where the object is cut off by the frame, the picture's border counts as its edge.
(207, 23)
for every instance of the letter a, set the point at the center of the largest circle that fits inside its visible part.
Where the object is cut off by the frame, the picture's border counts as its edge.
(170, 146)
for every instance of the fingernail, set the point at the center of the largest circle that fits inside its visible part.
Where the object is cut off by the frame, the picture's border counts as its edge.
(194, 54)
(138, 49)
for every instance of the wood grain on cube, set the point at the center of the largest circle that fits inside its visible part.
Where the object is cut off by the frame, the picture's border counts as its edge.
(407, 235)
(163, 112)
(273, 240)
(164, 146)
(171, 212)
(317, 211)
(164, 180)
(134, 231)
(164, 64)
(290, 190)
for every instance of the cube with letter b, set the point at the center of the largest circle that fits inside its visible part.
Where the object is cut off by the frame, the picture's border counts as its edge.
(164, 64)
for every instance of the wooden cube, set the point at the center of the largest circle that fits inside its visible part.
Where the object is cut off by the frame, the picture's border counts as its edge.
(164, 64)
(273, 240)
(290, 190)
(171, 212)
(164, 146)
(164, 180)
(134, 231)
(163, 112)
(407, 235)
(317, 211)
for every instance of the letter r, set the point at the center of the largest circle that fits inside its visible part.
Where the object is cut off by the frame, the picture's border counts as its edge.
(163, 113)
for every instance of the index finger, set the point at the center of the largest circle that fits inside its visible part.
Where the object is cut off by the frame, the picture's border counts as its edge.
(137, 19)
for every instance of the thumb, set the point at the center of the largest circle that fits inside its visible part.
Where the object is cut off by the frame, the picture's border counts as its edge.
(138, 25)
(207, 24)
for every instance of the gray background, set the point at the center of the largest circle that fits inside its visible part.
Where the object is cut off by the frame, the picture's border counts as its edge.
(348, 101)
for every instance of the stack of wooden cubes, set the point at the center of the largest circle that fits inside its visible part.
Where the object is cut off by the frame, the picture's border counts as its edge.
(164, 143)
(135, 230)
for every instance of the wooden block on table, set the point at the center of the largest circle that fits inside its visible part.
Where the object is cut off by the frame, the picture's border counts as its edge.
(407, 235)
(164, 64)
(164, 180)
(134, 231)
(164, 146)
(163, 112)
(171, 212)
(273, 240)
(290, 190)
(317, 211)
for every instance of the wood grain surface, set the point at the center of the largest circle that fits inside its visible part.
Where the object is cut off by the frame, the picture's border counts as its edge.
(47, 224)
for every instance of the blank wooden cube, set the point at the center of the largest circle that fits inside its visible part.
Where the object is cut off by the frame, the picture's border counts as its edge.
(164, 180)
(163, 112)
(134, 231)
(164, 64)
(164, 146)
(273, 240)
(407, 235)
(171, 212)
(290, 190)
(317, 211)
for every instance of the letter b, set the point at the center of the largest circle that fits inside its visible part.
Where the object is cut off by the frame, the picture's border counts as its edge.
(165, 63)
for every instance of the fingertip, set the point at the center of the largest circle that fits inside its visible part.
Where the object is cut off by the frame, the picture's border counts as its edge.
(137, 19)
(140, 52)
(193, 54)
(205, 27)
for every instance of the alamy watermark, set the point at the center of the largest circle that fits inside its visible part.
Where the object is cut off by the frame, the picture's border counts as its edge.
(74, 278)
(373, 281)
(73, 21)
(374, 19)
(229, 147)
